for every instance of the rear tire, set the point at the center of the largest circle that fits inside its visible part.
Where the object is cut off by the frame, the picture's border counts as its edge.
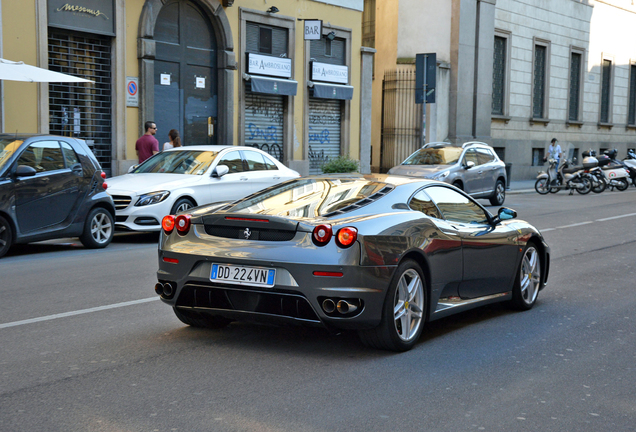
(458, 185)
(499, 195)
(6, 236)
(601, 185)
(200, 320)
(403, 313)
(98, 229)
(528, 280)
(623, 184)
(587, 186)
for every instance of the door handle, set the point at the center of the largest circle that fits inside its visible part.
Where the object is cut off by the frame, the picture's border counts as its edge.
(243, 178)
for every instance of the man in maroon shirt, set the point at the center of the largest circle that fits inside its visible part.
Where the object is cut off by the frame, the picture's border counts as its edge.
(147, 145)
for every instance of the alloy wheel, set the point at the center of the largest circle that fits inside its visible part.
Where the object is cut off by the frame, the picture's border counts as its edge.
(408, 309)
(530, 276)
(183, 206)
(101, 228)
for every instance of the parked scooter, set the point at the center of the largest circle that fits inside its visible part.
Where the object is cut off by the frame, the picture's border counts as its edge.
(593, 172)
(630, 163)
(615, 172)
(562, 177)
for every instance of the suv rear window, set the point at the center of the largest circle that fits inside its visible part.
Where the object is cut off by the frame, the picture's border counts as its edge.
(434, 156)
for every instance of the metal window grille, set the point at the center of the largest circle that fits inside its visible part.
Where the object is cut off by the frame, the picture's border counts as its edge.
(538, 91)
(82, 110)
(605, 91)
(335, 55)
(575, 85)
(499, 76)
(401, 118)
(278, 40)
(631, 118)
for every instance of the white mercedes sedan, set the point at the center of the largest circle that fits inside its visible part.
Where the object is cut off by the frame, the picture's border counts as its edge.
(177, 179)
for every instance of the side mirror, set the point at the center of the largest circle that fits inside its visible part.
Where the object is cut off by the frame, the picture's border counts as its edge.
(506, 213)
(132, 168)
(25, 171)
(469, 164)
(220, 171)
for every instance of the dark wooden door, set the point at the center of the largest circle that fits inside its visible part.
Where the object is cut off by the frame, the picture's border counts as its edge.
(185, 74)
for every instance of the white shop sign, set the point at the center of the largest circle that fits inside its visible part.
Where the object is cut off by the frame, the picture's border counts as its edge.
(313, 29)
(329, 73)
(268, 65)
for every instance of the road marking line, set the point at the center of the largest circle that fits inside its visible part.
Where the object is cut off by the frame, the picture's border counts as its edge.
(78, 312)
(574, 225)
(615, 217)
(589, 222)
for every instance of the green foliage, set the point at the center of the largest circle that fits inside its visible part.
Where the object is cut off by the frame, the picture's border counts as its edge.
(341, 164)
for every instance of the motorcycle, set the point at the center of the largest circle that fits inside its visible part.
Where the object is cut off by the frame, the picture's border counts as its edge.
(562, 177)
(630, 163)
(615, 172)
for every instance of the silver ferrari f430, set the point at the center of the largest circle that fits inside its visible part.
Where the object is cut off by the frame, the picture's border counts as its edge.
(378, 254)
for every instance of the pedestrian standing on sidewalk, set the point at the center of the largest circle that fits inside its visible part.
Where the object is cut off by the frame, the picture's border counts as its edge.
(175, 141)
(554, 151)
(147, 145)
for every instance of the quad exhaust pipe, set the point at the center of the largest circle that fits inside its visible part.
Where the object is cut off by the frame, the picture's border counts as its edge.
(343, 307)
(165, 289)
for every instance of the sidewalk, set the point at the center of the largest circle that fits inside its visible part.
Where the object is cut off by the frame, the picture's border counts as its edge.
(521, 187)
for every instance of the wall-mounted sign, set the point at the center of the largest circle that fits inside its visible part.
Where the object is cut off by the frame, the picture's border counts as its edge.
(92, 16)
(269, 65)
(165, 79)
(132, 91)
(313, 29)
(200, 82)
(329, 73)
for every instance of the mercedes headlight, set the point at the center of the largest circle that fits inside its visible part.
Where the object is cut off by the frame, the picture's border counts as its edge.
(441, 176)
(152, 198)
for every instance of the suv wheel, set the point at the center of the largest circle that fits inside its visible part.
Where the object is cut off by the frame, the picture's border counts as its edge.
(499, 195)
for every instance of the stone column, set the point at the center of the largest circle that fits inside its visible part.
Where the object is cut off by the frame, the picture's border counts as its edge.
(472, 39)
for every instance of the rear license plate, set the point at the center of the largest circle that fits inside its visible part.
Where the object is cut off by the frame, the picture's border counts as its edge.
(241, 275)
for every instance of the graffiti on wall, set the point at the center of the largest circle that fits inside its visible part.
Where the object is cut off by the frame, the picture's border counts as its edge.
(265, 131)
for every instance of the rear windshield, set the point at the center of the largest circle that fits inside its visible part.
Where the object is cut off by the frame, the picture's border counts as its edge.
(434, 156)
(7, 148)
(178, 162)
(308, 197)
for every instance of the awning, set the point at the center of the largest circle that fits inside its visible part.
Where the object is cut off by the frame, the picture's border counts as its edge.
(331, 91)
(279, 86)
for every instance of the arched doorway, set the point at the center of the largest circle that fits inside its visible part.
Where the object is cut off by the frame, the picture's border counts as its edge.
(185, 75)
(187, 69)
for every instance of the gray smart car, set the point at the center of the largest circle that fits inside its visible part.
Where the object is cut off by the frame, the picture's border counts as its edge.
(474, 168)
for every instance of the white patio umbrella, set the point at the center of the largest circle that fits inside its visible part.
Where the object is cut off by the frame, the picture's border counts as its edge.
(18, 71)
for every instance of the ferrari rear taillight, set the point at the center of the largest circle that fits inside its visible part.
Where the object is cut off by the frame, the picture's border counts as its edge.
(103, 175)
(346, 236)
(322, 234)
(104, 185)
(167, 223)
(182, 223)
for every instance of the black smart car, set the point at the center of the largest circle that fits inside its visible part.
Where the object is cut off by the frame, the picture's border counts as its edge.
(52, 187)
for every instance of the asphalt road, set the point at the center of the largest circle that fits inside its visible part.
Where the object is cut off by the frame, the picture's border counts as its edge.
(85, 346)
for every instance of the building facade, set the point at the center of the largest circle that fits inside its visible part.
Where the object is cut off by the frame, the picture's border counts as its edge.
(218, 71)
(511, 73)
